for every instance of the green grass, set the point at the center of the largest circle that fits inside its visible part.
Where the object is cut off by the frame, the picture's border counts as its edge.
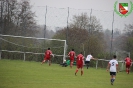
(25, 74)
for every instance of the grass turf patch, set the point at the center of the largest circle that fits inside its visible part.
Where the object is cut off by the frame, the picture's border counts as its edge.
(30, 74)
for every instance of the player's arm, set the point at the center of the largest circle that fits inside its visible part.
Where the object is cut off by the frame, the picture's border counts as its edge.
(108, 66)
(94, 58)
(75, 55)
(52, 55)
(83, 58)
(68, 54)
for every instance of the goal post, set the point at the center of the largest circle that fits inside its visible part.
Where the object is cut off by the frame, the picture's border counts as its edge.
(121, 55)
(102, 63)
(30, 47)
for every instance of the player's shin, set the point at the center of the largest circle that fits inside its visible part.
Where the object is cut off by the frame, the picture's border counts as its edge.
(110, 80)
(49, 63)
(113, 79)
(76, 71)
(71, 64)
(81, 73)
(42, 62)
(128, 71)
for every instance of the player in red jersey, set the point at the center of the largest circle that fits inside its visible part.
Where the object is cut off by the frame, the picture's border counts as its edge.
(128, 62)
(47, 56)
(79, 61)
(71, 55)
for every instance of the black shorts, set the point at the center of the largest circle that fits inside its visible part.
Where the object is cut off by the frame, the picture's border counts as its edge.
(87, 62)
(113, 73)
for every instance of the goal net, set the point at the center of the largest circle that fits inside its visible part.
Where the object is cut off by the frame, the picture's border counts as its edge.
(31, 48)
(121, 55)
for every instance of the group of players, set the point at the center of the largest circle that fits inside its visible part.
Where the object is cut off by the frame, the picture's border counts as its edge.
(72, 56)
(112, 65)
(79, 60)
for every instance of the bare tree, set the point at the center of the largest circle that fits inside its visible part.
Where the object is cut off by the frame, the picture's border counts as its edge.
(84, 33)
(17, 18)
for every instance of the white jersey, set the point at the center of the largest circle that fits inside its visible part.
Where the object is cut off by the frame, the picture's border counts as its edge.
(113, 63)
(88, 58)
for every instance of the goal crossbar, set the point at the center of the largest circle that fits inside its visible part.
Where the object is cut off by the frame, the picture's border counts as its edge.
(1, 35)
(30, 37)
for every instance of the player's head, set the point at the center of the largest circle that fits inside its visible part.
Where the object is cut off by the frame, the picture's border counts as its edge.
(48, 48)
(90, 53)
(72, 49)
(81, 53)
(127, 56)
(114, 56)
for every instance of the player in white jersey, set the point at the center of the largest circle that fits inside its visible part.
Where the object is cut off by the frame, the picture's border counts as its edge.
(113, 66)
(88, 58)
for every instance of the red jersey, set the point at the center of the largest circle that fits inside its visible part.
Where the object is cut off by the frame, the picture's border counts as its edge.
(80, 59)
(128, 60)
(48, 53)
(71, 54)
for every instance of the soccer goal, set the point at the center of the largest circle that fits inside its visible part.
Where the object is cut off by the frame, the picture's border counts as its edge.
(121, 55)
(31, 48)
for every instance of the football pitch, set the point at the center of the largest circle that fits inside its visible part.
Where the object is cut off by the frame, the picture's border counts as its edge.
(30, 74)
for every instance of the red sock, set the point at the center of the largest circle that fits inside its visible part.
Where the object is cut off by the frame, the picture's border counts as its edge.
(126, 70)
(43, 61)
(76, 71)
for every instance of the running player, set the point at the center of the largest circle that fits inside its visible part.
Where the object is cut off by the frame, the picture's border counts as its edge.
(47, 56)
(113, 66)
(71, 55)
(79, 62)
(128, 62)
